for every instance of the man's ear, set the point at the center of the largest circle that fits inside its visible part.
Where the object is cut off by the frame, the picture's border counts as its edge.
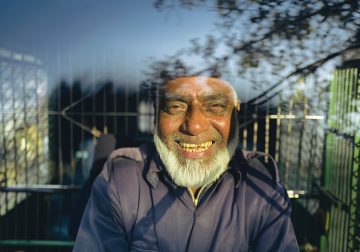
(237, 105)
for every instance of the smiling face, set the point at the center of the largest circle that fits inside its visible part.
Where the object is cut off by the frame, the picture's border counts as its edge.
(194, 119)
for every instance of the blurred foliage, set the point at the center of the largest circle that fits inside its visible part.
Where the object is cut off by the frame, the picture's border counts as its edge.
(265, 42)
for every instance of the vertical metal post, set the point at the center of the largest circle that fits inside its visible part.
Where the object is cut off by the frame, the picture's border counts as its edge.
(354, 224)
(277, 145)
(288, 149)
(60, 170)
(3, 152)
(267, 133)
(15, 147)
(255, 134)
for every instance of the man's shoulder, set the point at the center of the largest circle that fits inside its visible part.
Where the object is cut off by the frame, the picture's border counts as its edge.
(261, 165)
(262, 176)
(260, 173)
(127, 161)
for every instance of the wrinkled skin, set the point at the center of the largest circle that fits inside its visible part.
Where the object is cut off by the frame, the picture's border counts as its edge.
(194, 116)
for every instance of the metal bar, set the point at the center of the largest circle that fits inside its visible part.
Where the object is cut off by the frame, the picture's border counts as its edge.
(95, 113)
(341, 234)
(40, 188)
(42, 133)
(71, 125)
(93, 93)
(255, 134)
(115, 108)
(347, 156)
(342, 112)
(350, 110)
(37, 123)
(340, 169)
(36, 243)
(24, 140)
(301, 165)
(139, 95)
(342, 135)
(295, 117)
(288, 142)
(84, 170)
(60, 169)
(277, 144)
(336, 231)
(135, 114)
(340, 152)
(95, 132)
(104, 121)
(3, 153)
(354, 226)
(344, 161)
(331, 150)
(126, 126)
(348, 149)
(324, 242)
(13, 80)
(343, 166)
(312, 157)
(245, 136)
(346, 191)
(267, 138)
(331, 231)
(336, 126)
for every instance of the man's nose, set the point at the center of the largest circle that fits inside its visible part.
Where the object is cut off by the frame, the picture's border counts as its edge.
(195, 121)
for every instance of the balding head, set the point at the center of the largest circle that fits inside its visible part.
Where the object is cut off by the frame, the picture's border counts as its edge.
(199, 81)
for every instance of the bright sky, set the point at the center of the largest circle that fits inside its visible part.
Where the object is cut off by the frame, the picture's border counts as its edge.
(111, 39)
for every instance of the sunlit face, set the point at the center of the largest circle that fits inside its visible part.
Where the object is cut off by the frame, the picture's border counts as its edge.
(194, 119)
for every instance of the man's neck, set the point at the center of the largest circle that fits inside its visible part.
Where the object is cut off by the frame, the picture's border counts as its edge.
(195, 191)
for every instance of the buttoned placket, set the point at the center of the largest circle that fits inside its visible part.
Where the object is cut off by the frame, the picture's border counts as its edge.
(194, 205)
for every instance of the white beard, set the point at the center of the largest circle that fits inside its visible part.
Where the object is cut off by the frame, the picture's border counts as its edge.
(192, 173)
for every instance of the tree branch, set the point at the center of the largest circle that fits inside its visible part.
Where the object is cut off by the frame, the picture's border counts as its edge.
(304, 71)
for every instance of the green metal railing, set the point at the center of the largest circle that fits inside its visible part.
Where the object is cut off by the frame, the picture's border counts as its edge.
(341, 176)
(38, 243)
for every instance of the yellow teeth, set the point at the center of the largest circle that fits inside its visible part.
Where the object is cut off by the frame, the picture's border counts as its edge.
(195, 147)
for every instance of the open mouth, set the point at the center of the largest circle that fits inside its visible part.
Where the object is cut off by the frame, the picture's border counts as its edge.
(189, 147)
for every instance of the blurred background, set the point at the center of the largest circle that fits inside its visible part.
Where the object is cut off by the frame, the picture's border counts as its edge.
(75, 83)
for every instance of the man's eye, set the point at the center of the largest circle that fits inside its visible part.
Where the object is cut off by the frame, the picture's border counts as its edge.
(176, 109)
(217, 108)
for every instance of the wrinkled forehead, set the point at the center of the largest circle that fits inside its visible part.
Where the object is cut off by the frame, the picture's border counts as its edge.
(197, 86)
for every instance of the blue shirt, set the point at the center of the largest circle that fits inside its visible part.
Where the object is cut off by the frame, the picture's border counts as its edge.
(134, 206)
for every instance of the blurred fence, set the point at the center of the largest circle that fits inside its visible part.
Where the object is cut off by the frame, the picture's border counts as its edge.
(24, 124)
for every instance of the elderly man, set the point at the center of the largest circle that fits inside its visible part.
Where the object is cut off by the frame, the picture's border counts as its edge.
(194, 190)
